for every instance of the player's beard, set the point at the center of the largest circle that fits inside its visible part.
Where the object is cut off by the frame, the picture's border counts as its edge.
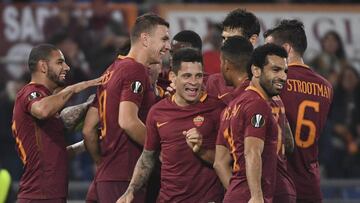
(267, 86)
(51, 74)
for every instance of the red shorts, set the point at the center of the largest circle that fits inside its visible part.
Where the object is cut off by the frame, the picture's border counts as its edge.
(110, 191)
(60, 200)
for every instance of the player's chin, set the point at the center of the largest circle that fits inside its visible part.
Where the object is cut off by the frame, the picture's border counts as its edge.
(191, 98)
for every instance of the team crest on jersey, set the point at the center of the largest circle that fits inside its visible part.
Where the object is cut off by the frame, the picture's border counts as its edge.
(258, 121)
(33, 95)
(137, 87)
(198, 121)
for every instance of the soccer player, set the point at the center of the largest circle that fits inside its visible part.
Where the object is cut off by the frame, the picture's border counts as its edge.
(38, 127)
(173, 128)
(238, 22)
(123, 102)
(253, 130)
(307, 98)
(235, 54)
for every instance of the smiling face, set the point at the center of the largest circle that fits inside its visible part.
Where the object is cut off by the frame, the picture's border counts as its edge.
(159, 43)
(274, 75)
(57, 68)
(188, 82)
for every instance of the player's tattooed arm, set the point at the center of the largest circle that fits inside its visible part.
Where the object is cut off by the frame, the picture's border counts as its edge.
(289, 139)
(72, 115)
(143, 169)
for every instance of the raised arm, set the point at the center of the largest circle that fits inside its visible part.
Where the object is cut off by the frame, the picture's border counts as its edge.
(253, 148)
(142, 171)
(49, 106)
(90, 133)
(75, 149)
(222, 164)
(130, 122)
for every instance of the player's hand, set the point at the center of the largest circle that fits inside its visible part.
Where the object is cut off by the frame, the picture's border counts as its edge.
(256, 200)
(78, 87)
(170, 90)
(193, 139)
(127, 197)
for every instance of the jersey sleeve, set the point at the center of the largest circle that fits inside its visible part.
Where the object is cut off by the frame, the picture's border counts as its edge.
(134, 84)
(32, 94)
(152, 141)
(257, 115)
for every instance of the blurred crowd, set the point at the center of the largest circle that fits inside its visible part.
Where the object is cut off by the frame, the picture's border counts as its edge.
(91, 44)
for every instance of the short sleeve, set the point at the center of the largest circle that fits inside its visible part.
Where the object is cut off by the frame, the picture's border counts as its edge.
(31, 95)
(257, 116)
(134, 83)
(152, 141)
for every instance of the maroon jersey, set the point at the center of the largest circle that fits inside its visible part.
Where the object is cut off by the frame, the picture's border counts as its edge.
(184, 177)
(307, 98)
(125, 80)
(41, 146)
(216, 87)
(250, 115)
(284, 183)
(220, 140)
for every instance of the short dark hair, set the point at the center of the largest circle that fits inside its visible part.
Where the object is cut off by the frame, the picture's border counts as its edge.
(40, 52)
(289, 31)
(186, 54)
(189, 36)
(260, 54)
(146, 23)
(238, 51)
(244, 20)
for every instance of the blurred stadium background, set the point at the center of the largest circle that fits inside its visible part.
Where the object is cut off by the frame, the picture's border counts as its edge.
(90, 33)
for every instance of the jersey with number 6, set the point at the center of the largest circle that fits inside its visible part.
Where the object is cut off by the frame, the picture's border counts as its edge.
(307, 98)
(124, 80)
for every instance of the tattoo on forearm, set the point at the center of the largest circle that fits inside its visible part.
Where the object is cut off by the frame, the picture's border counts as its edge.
(143, 168)
(289, 140)
(73, 114)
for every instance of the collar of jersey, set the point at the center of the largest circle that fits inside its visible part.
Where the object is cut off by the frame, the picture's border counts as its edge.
(250, 87)
(297, 64)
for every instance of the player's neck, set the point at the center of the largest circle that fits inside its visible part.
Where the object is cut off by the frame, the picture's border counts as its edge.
(239, 79)
(294, 58)
(43, 80)
(138, 55)
(256, 83)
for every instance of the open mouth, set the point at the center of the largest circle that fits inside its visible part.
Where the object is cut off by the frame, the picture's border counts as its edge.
(162, 53)
(63, 76)
(192, 91)
(279, 85)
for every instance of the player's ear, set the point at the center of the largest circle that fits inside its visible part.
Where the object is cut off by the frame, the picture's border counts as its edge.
(42, 66)
(287, 47)
(254, 39)
(172, 76)
(145, 39)
(256, 71)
